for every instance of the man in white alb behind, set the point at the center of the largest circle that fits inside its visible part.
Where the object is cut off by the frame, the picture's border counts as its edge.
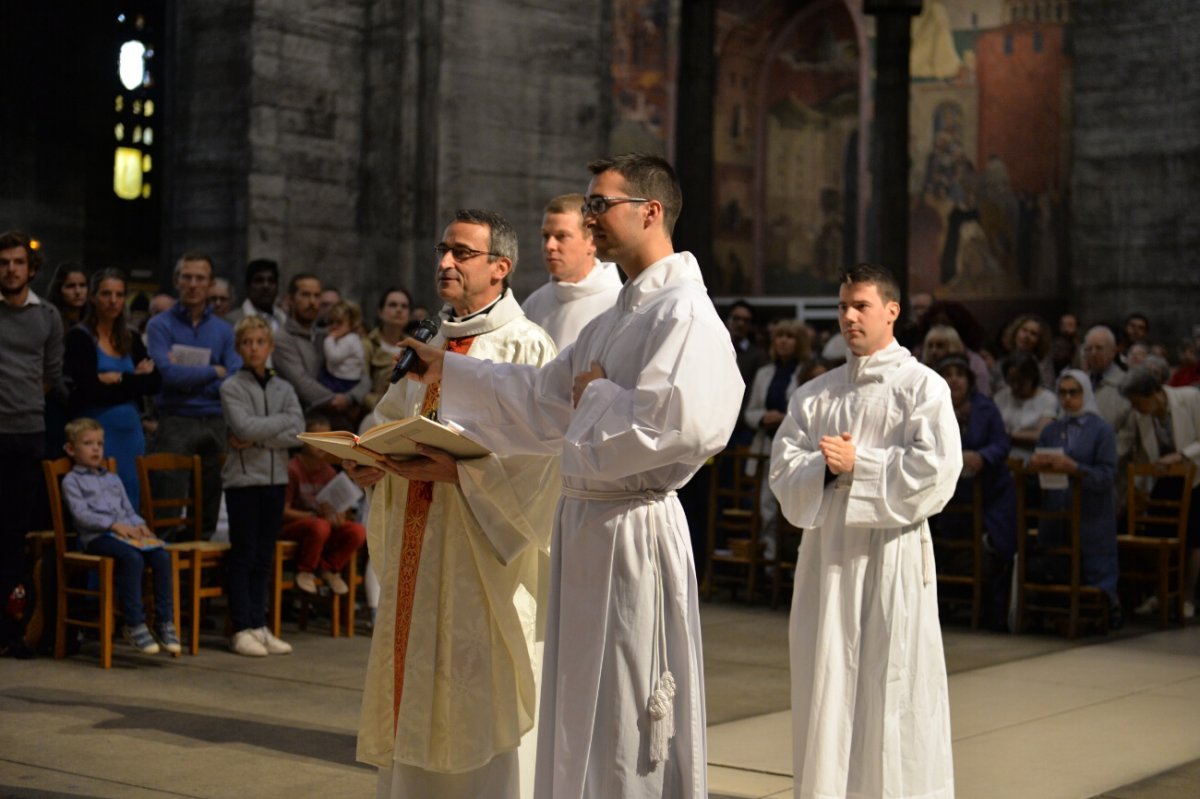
(581, 286)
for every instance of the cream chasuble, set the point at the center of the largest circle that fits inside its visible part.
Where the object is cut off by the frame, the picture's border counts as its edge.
(469, 685)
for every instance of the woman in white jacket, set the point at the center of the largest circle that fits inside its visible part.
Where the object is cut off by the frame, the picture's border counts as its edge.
(766, 406)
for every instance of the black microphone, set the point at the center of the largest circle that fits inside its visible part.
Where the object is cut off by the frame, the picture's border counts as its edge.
(423, 333)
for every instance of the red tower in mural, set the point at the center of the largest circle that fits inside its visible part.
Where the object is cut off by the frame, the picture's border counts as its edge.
(1023, 74)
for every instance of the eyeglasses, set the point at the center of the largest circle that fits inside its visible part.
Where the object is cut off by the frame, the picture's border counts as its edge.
(461, 254)
(595, 206)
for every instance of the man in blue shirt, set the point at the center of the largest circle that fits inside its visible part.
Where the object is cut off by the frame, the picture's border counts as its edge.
(193, 350)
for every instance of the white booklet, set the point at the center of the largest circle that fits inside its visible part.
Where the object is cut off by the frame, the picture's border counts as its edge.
(185, 355)
(340, 493)
(1051, 481)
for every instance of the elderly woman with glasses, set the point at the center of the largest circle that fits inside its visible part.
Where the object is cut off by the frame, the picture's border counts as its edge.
(1166, 429)
(1079, 439)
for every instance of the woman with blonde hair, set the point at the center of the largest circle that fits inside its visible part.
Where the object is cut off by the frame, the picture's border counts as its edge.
(767, 405)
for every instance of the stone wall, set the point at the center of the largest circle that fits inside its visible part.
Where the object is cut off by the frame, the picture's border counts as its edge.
(210, 91)
(1135, 193)
(338, 138)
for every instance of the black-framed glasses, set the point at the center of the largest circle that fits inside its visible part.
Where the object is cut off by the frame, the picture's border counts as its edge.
(461, 254)
(597, 205)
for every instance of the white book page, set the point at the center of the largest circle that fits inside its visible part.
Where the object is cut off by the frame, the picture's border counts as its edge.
(185, 355)
(1047, 480)
(340, 493)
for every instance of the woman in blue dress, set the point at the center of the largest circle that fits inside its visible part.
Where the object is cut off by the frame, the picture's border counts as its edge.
(109, 373)
(1088, 444)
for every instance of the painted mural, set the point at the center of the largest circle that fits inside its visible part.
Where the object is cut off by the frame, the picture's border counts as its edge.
(786, 126)
(644, 76)
(989, 136)
(989, 131)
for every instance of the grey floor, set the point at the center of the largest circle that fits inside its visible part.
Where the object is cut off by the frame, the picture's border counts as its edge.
(1033, 716)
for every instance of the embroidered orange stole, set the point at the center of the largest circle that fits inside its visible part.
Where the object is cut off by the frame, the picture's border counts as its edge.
(416, 514)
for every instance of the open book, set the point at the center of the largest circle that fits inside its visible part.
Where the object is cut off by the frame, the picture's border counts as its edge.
(395, 439)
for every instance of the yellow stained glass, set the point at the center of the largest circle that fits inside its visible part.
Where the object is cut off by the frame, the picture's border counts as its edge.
(148, 108)
(119, 131)
(137, 134)
(127, 173)
(145, 191)
(146, 163)
(120, 103)
(147, 137)
(137, 108)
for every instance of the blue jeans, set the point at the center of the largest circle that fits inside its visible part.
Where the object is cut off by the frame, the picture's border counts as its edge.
(255, 516)
(130, 563)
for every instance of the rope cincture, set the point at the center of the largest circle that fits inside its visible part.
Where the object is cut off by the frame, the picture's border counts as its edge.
(661, 705)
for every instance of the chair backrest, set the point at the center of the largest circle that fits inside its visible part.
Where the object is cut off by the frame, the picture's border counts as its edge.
(1144, 510)
(163, 513)
(736, 480)
(54, 471)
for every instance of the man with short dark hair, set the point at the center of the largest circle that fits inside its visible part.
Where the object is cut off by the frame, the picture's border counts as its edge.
(581, 286)
(649, 391)
(31, 352)
(262, 289)
(300, 354)
(866, 454)
(750, 358)
(193, 350)
(1133, 332)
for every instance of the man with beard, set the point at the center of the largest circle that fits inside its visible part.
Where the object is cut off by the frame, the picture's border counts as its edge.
(30, 367)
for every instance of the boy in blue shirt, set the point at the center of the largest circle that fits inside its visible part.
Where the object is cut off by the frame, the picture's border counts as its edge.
(108, 525)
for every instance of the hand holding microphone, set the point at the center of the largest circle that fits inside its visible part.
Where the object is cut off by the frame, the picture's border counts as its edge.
(408, 359)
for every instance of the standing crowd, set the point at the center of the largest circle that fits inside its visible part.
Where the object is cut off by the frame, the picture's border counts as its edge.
(537, 631)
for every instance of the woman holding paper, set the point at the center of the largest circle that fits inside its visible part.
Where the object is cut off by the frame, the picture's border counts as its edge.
(1079, 440)
(108, 373)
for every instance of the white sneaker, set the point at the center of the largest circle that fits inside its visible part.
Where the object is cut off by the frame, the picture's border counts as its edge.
(306, 582)
(1189, 610)
(246, 642)
(335, 582)
(1149, 606)
(273, 645)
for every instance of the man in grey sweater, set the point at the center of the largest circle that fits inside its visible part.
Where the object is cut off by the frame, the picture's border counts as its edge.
(299, 355)
(30, 366)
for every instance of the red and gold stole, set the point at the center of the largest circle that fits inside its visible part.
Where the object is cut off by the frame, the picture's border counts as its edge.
(416, 514)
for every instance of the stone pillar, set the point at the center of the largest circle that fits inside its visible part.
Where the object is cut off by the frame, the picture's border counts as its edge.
(890, 130)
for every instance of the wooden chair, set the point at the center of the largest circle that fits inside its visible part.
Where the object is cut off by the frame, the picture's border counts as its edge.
(1039, 596)
(734, 514)
(71, 566)
(973, 545)
(1160, 560)
(341, 608)
(786, 554)
(199, 558)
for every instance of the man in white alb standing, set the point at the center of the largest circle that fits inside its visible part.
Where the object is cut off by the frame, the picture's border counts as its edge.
(647, 393)
(866, 453)
(581, 286)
